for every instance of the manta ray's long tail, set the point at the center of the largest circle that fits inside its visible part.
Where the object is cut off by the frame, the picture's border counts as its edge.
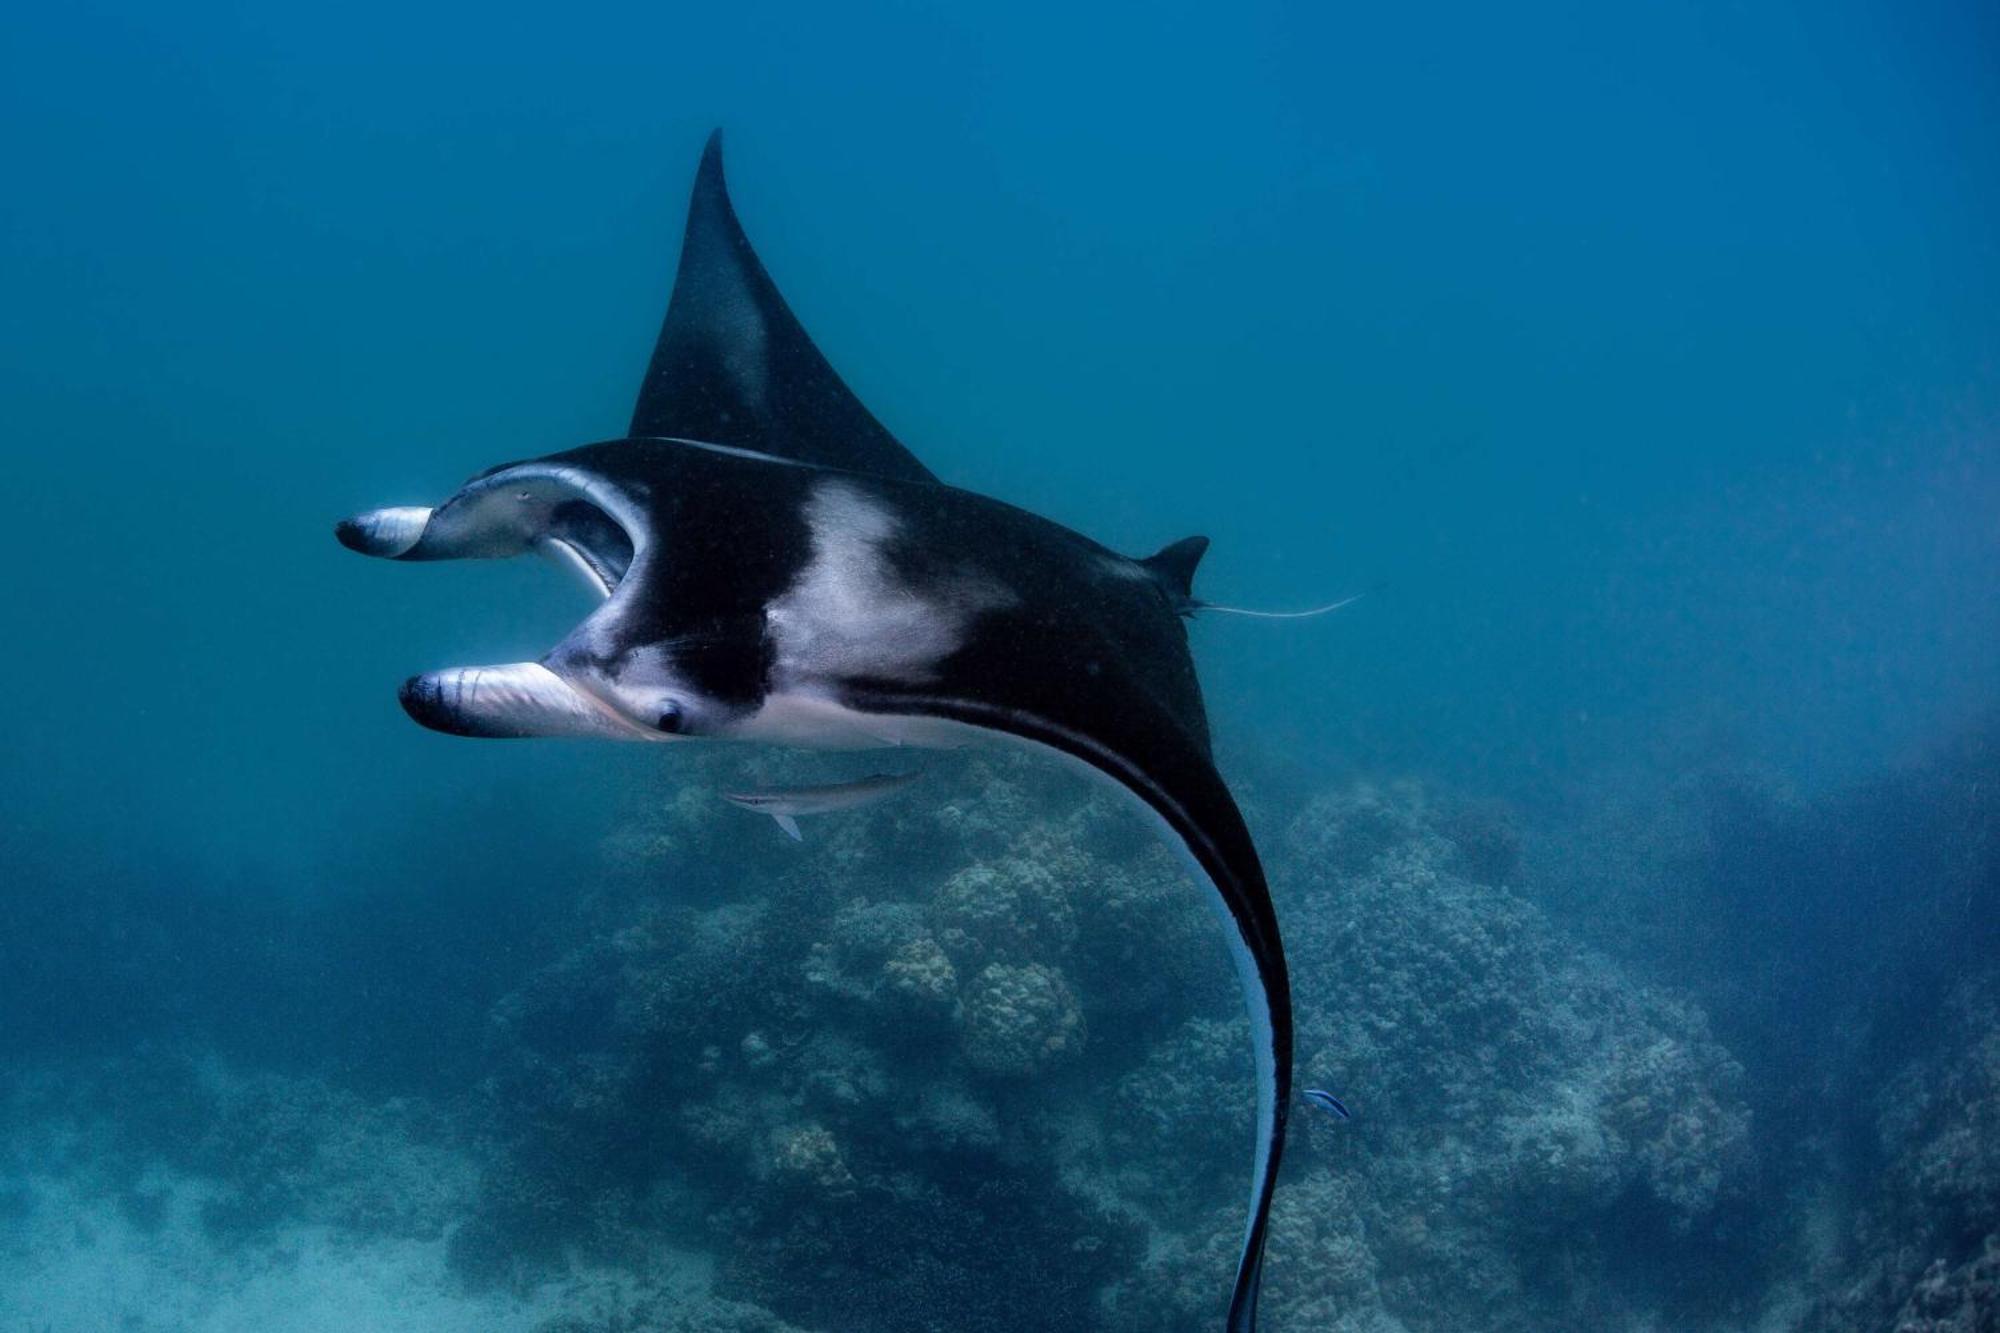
(1173, 570)
(1207, 607)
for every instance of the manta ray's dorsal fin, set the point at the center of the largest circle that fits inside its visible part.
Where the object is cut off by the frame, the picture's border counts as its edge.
(734, 367)
(1172, 567)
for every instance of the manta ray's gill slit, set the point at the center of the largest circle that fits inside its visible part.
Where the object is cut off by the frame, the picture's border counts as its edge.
(597, 539)
(577, 521)
(577, 562)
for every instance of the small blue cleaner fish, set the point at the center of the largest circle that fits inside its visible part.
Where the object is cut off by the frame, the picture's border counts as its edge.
(1327, 1102)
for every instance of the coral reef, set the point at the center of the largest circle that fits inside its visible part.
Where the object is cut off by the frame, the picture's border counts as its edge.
(1922, 1247)
(977, 1061)
(1013, 907)
(856, 1056)
(1020, 1020)
(1961, 1299)
(844, 1065)
(1843, 948)
(1515, 1098)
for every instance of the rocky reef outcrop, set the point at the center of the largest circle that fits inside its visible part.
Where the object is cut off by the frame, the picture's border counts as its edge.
(1918, 1246)
(985, 1056)
(1521, 1108)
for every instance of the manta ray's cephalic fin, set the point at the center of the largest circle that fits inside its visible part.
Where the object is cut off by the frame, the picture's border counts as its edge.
(733, 365)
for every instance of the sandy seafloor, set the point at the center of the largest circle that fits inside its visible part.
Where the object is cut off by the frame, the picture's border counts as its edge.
(84, 1265)
(82, 1254)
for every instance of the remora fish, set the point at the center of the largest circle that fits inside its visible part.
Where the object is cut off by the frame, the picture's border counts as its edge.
(775, 566)
(786, 804)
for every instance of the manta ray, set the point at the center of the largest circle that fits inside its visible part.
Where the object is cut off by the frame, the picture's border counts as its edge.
(772, 565)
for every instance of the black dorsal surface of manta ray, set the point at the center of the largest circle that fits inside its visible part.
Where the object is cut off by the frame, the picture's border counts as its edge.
(773, 566)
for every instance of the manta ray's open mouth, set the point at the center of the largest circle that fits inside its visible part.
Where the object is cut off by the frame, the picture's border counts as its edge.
(562, 515)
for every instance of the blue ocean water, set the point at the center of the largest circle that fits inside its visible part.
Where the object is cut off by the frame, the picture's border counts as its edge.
(1642, 368)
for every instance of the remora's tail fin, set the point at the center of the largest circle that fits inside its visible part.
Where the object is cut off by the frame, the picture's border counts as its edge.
(1172, 567)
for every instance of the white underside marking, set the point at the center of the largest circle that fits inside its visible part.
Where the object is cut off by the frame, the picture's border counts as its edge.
(849, 612)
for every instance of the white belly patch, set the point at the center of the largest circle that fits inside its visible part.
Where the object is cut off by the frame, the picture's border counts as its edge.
(849, 613)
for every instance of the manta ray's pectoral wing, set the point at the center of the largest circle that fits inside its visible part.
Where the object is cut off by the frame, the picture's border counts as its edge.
(1142, 747)
(733, 366)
